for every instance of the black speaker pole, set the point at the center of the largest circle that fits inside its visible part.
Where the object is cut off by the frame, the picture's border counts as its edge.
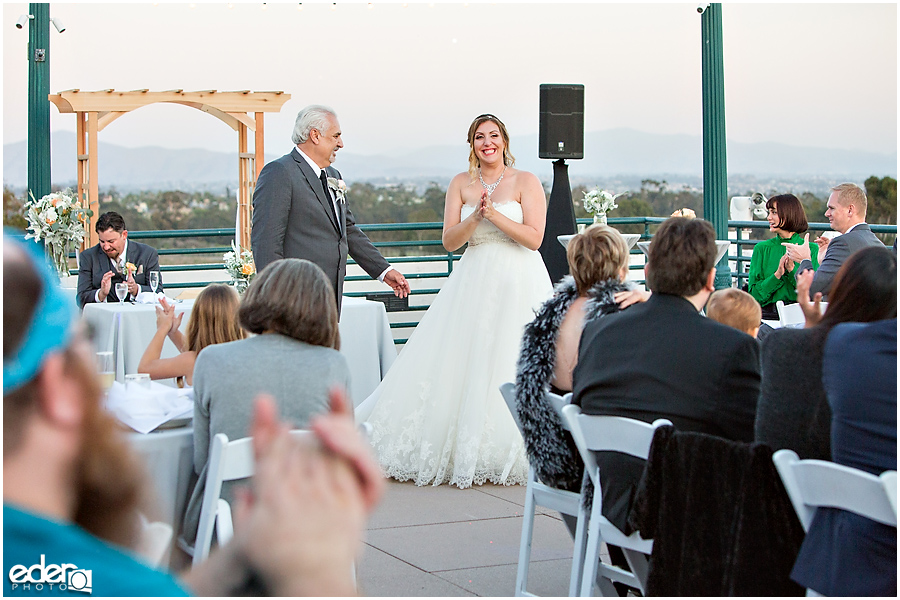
(560, 221)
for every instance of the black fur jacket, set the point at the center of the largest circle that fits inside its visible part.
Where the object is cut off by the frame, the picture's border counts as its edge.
(551, 450)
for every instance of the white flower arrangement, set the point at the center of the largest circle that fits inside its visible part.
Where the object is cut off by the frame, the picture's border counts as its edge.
(239, 264)
(599, 202)
(685, 212)
(60, 221)
(339, 188)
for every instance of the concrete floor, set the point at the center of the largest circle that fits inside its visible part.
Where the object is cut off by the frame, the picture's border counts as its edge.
(444, 541)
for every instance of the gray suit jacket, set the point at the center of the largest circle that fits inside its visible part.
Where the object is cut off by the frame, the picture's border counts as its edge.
(838, 251)
(292, 218)
(93, 263)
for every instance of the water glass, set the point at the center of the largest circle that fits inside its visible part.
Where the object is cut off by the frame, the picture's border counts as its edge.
(154, 280)
(106, 368)
(121, 291)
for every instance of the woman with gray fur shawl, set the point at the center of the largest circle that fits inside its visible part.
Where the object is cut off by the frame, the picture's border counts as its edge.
(598, 260)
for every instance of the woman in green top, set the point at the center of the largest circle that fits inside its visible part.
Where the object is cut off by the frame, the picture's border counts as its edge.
(772, 276)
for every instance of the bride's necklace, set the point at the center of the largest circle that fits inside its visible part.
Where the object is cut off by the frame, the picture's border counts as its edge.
(490, 187)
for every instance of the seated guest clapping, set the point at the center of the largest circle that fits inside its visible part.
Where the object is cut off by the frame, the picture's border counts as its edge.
(214, 320)
(113, 260)
(294, 358)
(772, 273)
(793, 410)
(735, 308)
(72, 486)
(598, 262)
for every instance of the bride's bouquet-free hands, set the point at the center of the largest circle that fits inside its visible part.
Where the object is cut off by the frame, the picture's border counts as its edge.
(487, 207)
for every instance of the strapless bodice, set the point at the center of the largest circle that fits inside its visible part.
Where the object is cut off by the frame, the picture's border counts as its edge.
(487, 232)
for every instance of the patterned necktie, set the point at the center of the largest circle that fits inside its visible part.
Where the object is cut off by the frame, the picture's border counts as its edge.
(324, 179)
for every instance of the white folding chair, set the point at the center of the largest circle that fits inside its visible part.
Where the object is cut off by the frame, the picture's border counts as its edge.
(599, 434)
(813, 483)
(791, 315)
(539, 494)
(228, 461)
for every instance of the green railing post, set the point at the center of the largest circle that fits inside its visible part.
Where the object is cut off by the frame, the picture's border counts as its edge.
(715, 169)
(38, 104)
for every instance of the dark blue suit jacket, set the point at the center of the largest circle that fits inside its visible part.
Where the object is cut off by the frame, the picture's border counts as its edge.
(845, 554)
(93, 263)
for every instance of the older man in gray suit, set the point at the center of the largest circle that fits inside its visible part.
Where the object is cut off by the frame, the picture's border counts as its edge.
(300, 208)
(847, 214)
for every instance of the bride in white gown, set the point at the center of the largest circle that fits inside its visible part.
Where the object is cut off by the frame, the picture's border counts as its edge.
(438, 415)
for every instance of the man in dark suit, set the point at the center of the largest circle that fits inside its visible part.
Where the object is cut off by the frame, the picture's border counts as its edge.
(102, 266)
(847, 214)
(662, 359)
(300, 208)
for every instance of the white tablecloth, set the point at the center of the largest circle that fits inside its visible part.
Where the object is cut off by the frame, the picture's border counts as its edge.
(366, 340)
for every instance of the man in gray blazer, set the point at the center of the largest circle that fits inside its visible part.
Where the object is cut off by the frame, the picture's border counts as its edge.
(847, 214)
(300, 208)
(102, 266)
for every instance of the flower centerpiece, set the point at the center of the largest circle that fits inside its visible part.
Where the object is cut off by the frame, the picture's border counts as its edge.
(239, 264)
(599, 202)
(60, 221)
(685, 212)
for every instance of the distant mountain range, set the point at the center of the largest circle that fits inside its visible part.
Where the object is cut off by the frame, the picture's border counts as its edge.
(612, 155)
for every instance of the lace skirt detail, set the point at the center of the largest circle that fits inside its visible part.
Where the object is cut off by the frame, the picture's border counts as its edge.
(438, 416)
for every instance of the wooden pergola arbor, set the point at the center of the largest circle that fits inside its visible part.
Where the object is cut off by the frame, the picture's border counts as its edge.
(240, 110)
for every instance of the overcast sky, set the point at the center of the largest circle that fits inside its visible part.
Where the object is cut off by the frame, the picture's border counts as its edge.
(406, 77)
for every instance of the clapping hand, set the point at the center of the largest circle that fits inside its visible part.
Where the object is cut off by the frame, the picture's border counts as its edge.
(784, 265)
(798, 252)
(811, 309)
(822, 242)
(300, 527)
(166, 318)
(133, 288)
(106, 284)
(487, 207)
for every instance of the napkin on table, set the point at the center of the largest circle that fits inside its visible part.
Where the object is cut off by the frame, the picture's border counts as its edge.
(146, 409)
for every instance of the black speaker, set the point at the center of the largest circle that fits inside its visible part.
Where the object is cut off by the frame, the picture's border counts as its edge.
(562, 121)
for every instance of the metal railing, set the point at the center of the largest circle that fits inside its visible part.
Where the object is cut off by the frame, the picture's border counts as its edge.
(742, 243)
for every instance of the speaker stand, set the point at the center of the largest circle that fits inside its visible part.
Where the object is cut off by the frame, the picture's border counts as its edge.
(560, 221)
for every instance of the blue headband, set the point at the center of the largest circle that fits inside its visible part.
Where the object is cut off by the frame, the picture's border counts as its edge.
(50, 329)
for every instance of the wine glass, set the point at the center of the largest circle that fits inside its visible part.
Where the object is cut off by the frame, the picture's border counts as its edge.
(121, 291)
(154, 280)
(106, 369)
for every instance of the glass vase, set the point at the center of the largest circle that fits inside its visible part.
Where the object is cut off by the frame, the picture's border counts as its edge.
(600, 219)
(59, 256)
(240, 286)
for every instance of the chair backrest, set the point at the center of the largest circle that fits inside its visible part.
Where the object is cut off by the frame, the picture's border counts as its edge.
(508, 391)
(228, 461)
(792, 315)
(813, 483)
(596, 433)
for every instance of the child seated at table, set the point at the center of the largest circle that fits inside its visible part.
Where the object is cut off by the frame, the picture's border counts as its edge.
(214, 320)
(735, 308)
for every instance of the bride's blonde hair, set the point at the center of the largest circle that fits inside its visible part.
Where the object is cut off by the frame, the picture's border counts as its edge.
(474, 164)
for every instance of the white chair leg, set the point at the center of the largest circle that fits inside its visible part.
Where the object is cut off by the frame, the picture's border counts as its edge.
(580, 549)
(639, 565)
(525, 542)
(592, 555)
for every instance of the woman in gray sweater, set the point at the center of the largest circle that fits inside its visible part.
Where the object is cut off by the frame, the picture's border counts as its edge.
(294, 358)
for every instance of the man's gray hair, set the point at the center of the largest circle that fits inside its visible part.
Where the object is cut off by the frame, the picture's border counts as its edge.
(312, 117)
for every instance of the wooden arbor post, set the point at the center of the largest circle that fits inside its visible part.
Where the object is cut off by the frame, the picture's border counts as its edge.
(95, 110)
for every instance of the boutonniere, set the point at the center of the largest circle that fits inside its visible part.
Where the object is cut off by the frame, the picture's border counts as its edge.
(339, 188)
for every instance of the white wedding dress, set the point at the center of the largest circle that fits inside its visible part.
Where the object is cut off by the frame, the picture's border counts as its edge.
(438, 415)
